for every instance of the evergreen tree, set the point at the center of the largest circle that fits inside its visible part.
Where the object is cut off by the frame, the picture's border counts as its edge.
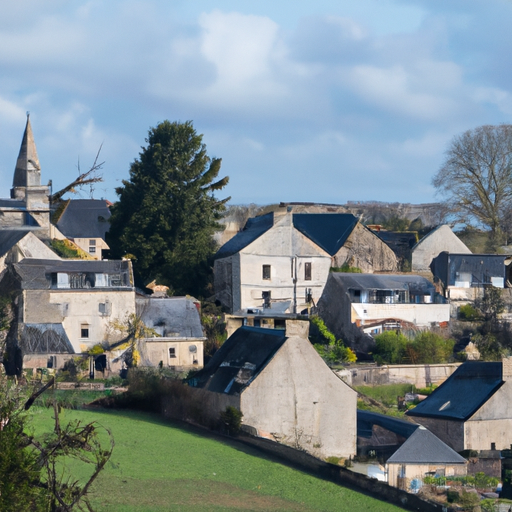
(167, 212)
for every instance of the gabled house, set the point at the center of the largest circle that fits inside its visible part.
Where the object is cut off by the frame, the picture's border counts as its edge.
(17, 244)
(178, 342)
(441, 239)
(352, 304)
(281, 260)
(472, 409)
(410, 451)
(66, 306)
(28, 207)
(283, 388)
(85, 222)
(464, 276)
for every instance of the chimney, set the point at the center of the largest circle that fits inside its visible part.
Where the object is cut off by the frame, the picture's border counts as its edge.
(298, 328)
(506, 368)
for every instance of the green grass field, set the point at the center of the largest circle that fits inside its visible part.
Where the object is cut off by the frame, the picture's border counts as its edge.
(158, 466)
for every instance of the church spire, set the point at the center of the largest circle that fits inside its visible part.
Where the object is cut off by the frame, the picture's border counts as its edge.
(28, 170)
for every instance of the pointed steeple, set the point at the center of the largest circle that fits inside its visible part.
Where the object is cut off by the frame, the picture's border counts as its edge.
(28, 170)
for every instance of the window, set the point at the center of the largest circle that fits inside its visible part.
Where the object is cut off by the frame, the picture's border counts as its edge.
(92, 241)
(307, 271)
(92, 249)
(104, 308)
(266, 299)
(172, 352)
(266, 271)
(84, 331)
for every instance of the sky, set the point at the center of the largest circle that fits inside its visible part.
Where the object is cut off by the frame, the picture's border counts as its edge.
(327, 101)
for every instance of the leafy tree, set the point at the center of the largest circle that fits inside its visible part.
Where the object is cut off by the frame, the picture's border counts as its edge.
(476, 177)
(390, 347)
(430, 348)
(167, 211)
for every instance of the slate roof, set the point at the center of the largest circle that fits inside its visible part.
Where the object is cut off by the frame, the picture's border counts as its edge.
(423, 447)
(254, 228)
(366, 420)
(9, 238)
(15, 204)
(239, 360)
(33, 272)
(415, 284)
(45, 339)
(175, 316)
(463, 393)
(85, 218)
(28, 161)
(328, 230)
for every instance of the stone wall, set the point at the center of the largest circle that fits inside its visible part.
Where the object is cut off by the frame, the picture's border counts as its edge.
(419, 375)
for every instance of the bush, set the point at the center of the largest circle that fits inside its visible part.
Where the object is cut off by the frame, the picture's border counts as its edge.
(232, 420)
(452, 496)
(430, 348)
(347, 268)
(469, 313)
(390, 347)
(330, 349)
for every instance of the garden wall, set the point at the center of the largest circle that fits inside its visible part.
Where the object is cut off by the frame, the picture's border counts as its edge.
(420, 375)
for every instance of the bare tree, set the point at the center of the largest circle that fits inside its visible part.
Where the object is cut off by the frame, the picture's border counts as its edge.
(87, 178)
(476, 177)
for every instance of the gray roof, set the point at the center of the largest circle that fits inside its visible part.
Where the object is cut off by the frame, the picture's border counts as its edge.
(9, 238)
(35, 273)
(423, 447)
(328, 230)
(239, 360)
(254, 228)
(415, 284)
(366, 420)
(463, 393)
(171, 316)
(45, 339)
(16, 204)
(85, 218)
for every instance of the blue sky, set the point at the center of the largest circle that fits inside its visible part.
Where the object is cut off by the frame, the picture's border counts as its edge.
(324, 101)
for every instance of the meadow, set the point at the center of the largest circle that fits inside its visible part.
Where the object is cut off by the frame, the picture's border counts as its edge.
(161, 466)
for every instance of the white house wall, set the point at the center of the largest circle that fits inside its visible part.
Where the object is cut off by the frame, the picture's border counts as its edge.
(492, 423)
(76, 308)
(286, 250)
(430, 246)
(422, 315)
(299, 401)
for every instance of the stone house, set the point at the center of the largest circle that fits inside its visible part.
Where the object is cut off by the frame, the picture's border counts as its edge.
(17, 244)
(282, 260)
(441, 239)
(472, 409)
(463, 277)
(85, 222)
(409, 451)
(356, 307)
(178, 342)
(65, 307)
(283, 388)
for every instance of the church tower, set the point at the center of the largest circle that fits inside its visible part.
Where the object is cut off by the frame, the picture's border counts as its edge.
(26, 185)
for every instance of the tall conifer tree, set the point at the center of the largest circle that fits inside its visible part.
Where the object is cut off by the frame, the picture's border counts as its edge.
(167, 212)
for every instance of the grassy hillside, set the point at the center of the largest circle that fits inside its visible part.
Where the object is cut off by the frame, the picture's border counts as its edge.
(157, 466)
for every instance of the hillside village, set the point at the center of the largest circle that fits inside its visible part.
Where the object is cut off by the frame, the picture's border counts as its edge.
(274, 274)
